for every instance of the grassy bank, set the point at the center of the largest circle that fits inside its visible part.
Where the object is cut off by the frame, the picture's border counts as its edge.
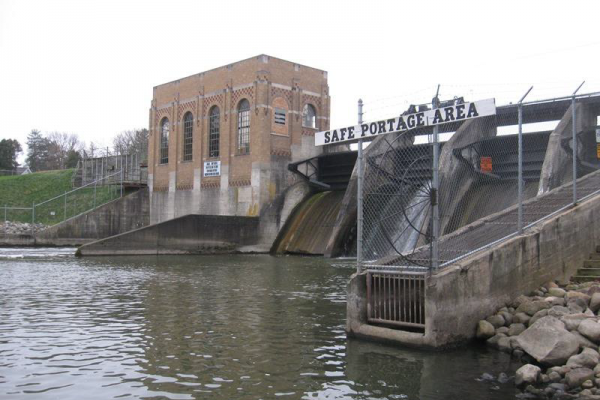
(38, 188)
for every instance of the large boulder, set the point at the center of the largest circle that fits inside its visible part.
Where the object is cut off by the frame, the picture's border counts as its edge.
(583, 341)
(577, 295)
(556, 292)
(532, 307)
(496, 320)
(595, 302)
(538, 315)
(516, 329)
(548, 341)
(485, 330)
(577, 376)
(572, 321)
(588, 359)
(521, 318)
(576, 306)
(590, 329)
(527, 374)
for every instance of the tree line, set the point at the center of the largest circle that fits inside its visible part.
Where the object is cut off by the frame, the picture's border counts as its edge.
(59, 150)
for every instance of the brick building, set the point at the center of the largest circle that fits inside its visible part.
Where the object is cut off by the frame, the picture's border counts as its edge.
(220, 140)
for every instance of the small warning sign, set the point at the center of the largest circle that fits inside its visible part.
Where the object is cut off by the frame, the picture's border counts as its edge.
(485, 164)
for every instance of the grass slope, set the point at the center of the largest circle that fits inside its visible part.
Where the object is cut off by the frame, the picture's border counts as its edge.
(24, 190)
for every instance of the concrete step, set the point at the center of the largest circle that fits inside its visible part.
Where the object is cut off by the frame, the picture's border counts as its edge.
(581, 279)
(588, 272)
(595, 256)
(591, 264)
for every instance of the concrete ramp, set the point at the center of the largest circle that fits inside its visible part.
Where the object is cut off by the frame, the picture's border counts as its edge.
(190, 234)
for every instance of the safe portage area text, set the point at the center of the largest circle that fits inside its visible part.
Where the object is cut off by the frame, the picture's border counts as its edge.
(457, 112)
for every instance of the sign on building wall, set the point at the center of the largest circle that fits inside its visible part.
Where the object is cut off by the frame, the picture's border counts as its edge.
(212, 168)
(442, 115)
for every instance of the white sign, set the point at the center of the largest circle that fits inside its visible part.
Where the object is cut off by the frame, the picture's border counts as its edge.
(597, 135)
(457, 112)
(212, 168)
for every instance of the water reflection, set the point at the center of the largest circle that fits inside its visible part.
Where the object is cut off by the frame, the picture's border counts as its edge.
(226, 327)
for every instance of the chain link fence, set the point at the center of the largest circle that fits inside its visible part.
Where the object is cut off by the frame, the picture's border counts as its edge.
(435, 194)
(66, 205)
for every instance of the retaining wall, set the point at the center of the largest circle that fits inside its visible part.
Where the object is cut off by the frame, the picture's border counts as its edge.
(118, 216)
(190, 234)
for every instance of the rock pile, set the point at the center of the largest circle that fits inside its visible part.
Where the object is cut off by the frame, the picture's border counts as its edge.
(19, 228)
(557, 332)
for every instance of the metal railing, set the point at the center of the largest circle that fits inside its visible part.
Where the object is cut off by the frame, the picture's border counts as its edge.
(68, 204)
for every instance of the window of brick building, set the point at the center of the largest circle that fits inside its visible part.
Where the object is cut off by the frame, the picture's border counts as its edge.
(244, 127)
(164, 141)
(280, 116)
(188, 138)
(309, 116)
(213, 132)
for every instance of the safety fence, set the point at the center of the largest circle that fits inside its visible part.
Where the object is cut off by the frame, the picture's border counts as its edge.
(66, 205)
(433, 195)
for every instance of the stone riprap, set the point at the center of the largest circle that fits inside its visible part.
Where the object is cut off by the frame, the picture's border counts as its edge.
(555, 332)
(20, 228)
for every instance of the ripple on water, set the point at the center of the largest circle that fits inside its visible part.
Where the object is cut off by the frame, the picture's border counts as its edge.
(228, 327)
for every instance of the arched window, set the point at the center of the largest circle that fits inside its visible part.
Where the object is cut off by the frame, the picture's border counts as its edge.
(164, 141)
(188, 138)
(214, 126)
(309, 116)
(244, 127)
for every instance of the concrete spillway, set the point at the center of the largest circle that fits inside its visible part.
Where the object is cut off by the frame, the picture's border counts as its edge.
(310, 225)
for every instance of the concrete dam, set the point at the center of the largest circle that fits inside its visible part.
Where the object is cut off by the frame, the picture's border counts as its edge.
(470, 190)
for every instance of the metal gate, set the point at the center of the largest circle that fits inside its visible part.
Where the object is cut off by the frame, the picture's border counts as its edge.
(396, 298)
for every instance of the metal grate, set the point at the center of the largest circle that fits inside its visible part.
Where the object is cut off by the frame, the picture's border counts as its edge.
(396, 298)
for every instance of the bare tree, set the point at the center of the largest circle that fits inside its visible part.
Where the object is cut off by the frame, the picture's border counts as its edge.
(61, 147)
(132, 142)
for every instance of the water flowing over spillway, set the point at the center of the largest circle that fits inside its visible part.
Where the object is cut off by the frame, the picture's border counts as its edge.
(310, 225)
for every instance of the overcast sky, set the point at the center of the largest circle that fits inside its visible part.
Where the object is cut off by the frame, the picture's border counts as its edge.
(88, 67)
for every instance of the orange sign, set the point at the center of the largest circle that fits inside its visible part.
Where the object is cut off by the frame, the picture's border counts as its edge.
(598, 150)
(485, 164)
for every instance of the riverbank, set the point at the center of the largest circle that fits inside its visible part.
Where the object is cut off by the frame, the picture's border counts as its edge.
(555, 332)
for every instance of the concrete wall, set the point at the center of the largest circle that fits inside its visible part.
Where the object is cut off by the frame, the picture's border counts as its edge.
(558, 167)
(462, 294)
(118, 216)
(190, 234)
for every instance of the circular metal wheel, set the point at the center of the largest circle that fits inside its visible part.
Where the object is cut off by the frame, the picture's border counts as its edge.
(405, 179)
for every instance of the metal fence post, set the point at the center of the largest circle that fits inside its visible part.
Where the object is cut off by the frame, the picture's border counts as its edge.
(359, 200)
(95, 183)
(520, 166)
(435, 253)
(65, 218)
(32, 217)
(121, 178)
(574, 143)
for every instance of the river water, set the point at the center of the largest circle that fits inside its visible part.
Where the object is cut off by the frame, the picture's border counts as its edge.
(207, 327)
